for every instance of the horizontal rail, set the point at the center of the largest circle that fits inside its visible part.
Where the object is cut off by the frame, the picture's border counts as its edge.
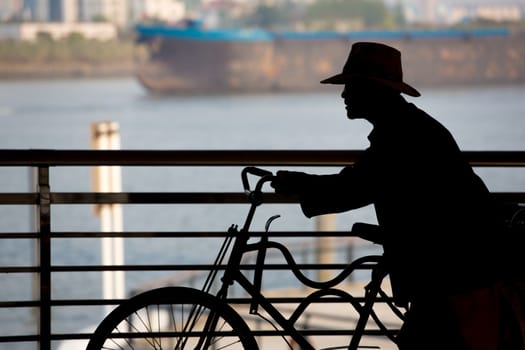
(173, 234)
(222, 157)
(164, 198)
(175, 198)
(97, 302)
(199, 267)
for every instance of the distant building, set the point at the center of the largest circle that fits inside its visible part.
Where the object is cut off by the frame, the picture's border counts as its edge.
(63, 10)
(70, 10)
(31, 31)
(495, 13)
(55, 10)
(35, 10)
(161, 10)
(114, 11)
(10, 9)
(453, 11)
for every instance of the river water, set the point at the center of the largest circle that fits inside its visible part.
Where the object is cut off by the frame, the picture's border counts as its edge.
(57, 115)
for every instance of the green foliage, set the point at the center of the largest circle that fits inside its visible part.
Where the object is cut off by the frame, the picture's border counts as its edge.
(99, 18)
(75, 38)
(397, 16)
(74, 48)
(44, 37)
(372, 13)
(266, 17)
(272, 17)
(192, 5)
(322, 14)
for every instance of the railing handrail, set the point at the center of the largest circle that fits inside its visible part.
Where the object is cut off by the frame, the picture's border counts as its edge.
(53, 157)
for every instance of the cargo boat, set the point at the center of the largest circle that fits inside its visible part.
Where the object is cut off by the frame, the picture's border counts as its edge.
(193, 60)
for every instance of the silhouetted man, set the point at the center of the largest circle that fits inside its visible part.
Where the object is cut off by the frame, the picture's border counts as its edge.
(441, 231)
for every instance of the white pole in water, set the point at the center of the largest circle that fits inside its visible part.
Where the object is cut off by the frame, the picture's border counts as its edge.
(325, 245)
(105, 135)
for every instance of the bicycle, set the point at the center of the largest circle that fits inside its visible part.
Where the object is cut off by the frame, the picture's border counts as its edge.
(189, 318)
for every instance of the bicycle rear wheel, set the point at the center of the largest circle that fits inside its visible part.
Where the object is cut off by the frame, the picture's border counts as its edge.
(172, 318)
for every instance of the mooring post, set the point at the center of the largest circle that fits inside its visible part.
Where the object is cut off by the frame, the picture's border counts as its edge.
(105, 135)
(325, 245)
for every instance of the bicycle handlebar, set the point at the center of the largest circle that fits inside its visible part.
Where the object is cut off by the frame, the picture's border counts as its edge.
(265, 176)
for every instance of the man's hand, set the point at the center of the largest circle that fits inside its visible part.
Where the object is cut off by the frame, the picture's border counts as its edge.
(289, 182)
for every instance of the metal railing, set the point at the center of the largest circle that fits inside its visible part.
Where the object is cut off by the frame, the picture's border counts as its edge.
(44, 199)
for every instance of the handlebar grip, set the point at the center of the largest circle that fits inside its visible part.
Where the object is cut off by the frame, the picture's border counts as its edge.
(257, 171)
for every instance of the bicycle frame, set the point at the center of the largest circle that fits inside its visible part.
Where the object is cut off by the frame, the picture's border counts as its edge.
(233, 274)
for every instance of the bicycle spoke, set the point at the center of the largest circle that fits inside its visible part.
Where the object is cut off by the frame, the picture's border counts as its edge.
(217, 339)
(147, 327)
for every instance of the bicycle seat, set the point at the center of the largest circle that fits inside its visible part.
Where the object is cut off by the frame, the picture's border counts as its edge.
(370, 232)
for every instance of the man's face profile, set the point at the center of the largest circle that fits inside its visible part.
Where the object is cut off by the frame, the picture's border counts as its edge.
(365, 99)
(357, 99)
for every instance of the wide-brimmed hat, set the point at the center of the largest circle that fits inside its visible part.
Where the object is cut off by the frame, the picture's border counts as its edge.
(375, 62)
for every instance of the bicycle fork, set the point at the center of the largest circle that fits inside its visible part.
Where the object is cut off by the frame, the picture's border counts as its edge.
(227, 280)
(209, 329)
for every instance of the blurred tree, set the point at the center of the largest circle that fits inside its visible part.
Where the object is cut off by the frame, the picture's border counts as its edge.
(284, 16)
(266, 17)
(326, 14)
(330, 13)
(397, 15)
(99, 18)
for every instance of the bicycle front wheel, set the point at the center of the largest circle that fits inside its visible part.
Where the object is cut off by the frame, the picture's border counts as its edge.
(173, 318)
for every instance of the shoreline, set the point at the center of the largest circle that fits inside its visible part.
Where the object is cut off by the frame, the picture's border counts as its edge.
(16, 72)
(60, 70)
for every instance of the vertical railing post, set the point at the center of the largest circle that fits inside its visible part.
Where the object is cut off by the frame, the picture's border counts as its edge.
(44, 226)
